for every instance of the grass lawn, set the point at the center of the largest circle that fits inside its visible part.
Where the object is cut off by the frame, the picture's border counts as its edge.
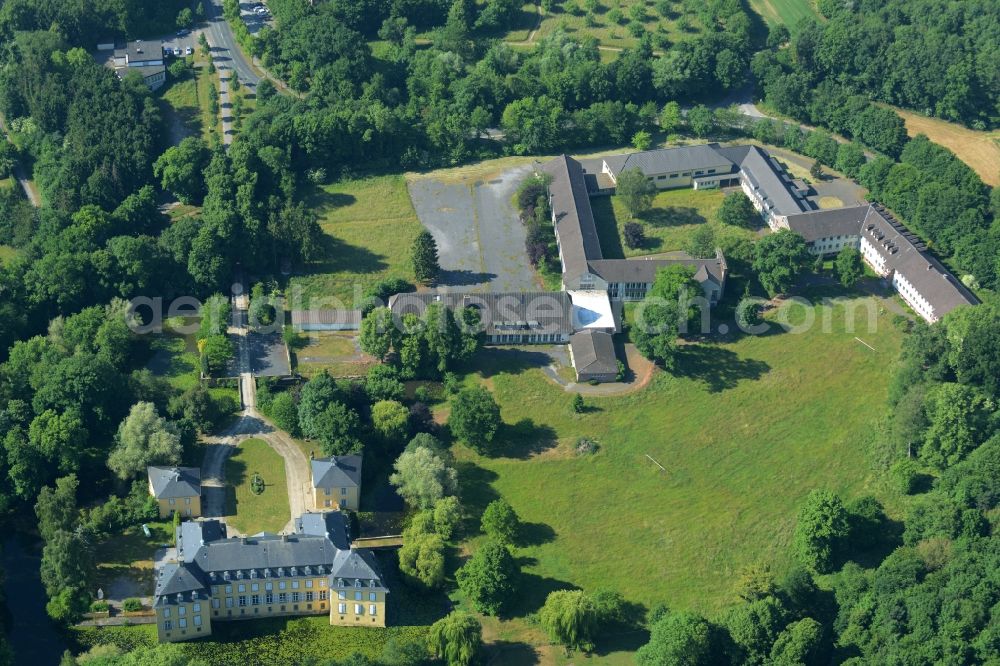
(175, 357)
(182, 115)
(745, 429)
(789, 12)
(980, 150)
(600, 24)
(130, 556)
(248, 512)
(334, 352)
(369, 226)
(668, 224)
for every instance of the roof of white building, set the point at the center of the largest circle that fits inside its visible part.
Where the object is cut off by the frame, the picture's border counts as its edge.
(592, 310)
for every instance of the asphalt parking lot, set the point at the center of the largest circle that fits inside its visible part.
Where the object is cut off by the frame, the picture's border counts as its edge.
(480, 238)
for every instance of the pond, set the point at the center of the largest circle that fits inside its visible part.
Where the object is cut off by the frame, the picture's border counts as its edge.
(33, 637)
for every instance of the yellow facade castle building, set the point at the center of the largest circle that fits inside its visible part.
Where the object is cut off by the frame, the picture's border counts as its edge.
(210, 577)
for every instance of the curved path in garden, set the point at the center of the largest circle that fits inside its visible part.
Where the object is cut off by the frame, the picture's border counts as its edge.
(251, 423)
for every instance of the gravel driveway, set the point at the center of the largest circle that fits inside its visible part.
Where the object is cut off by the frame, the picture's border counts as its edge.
(480, 239)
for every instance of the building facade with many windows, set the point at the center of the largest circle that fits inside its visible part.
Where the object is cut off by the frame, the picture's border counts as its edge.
(314, 571)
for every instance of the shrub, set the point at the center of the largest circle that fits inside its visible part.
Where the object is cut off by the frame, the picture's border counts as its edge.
(100, 606)
(906, 475)
(586, 447)
(131, 605)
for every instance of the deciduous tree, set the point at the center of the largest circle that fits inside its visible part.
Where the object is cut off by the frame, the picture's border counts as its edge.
(457, 638)
(422, 478)
(475, 418)
(500, 522)
(635, 191)
(144, 438)
(489, 578)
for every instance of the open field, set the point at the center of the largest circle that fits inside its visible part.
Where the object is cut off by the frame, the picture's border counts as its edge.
(247, 512)
(789, 12)
(745, 429)
(369, 227)
(574, 19)
(668, 225)
(980, 150)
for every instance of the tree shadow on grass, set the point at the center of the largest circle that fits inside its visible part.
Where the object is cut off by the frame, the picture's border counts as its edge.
(718, 369)
(324, 202)
(340, 256)
(511, 652)
(477, 491)
(535, 534)
(524, 439)
(672, 216)
(236, 474)
(532, 591)
(628, 640)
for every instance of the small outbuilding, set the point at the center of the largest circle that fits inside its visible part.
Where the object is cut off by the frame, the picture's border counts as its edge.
(336, 482)
(593, 356)
(176, 489)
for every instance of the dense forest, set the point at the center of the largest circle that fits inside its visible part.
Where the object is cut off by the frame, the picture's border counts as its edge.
(936, 57)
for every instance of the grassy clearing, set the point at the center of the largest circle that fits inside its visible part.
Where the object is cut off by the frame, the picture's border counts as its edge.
(668, 224)
(182, 115)
(573, 19)
(789, 12)
(130, 555)
(745, 430)
(980, 150)
(369, 227)
(247, 512)
(335, 352)
(175, 357)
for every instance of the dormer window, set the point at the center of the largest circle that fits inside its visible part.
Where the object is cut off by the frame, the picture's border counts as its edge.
(295, 571)
(267, 573)
(253, 573)
(357, 583)
(239, 575)
(340, 582)
(226, 575)
(372, 583)
(281, 571)
(308, 570)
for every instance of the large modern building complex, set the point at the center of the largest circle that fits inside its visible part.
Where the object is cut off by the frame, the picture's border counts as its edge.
(208, 577)
(885, 244)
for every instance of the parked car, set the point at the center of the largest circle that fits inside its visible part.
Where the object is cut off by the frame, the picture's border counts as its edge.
(177, 52)
(189, 50)
(182, 33)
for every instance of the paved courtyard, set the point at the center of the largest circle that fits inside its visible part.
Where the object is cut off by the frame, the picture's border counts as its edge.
(480, 238)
